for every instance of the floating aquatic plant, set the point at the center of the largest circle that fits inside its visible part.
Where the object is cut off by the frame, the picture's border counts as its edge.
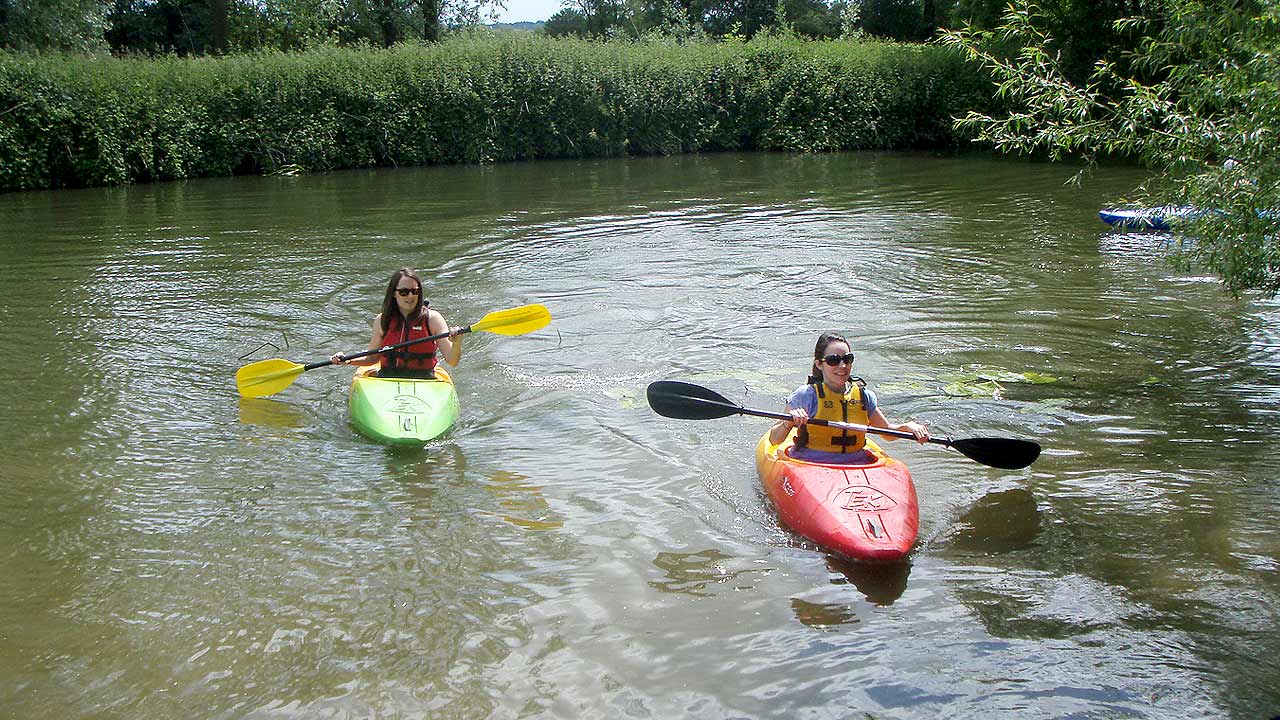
(986, 381)
(977, 381)
(630, 398)
(974, 388)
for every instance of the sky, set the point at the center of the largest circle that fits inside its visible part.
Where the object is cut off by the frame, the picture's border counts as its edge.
(529, 10)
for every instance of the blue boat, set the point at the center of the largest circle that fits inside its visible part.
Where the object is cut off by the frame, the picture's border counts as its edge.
(1156, 218)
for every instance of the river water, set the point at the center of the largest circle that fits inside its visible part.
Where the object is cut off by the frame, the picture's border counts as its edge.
(169, 549)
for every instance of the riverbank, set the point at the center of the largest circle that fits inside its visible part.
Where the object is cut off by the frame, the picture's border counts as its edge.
(74, 121)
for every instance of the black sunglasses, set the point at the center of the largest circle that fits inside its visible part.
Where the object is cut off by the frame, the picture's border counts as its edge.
(406, 292)
(834, 360)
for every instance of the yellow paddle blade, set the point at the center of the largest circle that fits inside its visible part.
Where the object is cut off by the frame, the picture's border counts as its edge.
(516, 321)
(266, 377)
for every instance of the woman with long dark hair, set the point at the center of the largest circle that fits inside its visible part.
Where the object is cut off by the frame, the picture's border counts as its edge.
(833, 393)
(407, 315)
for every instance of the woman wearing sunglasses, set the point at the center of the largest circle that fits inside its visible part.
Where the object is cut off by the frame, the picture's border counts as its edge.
(832, 393)
(405, 316)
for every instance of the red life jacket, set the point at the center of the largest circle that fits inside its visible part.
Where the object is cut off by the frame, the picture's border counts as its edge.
(419, 357)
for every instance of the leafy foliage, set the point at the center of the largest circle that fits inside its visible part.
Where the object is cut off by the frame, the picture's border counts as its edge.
(83, 120)
(567, 22)
(221, 26)
(1198, 100)
(52, 24)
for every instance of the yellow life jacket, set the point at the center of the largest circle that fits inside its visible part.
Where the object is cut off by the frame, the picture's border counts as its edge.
(848, 408)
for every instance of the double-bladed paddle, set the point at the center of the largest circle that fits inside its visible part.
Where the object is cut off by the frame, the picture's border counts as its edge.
(686, 401)
(268, 377)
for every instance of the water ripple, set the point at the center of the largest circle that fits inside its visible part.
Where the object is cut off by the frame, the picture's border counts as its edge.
(564, 551)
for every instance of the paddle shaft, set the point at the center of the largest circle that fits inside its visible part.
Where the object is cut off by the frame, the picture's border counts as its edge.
(818, 421)
(685, 401)
(387, 348)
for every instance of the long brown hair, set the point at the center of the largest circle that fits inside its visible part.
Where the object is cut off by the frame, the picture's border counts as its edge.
(389, 304)
(820, 351)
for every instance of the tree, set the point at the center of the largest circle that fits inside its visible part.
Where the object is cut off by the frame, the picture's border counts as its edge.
(812, 18)
(898, 19)
(677, 19)
(981, 14)
(739, 17)
(52, 24)
(218, 12)
(387, 23)
(430, 15)
(390, 21)
(907, 19)
(1197, 100)
(181, 26)
(600, 15)
(566, 22)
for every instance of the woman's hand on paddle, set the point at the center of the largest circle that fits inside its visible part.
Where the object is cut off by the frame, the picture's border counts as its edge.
(779, 431)
(337, 359)
(920, 431)
(917, 430)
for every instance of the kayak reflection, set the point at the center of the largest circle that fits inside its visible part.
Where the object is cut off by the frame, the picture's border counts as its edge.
(998, 522)
(435, 464)
(880, 583)
(824, 615)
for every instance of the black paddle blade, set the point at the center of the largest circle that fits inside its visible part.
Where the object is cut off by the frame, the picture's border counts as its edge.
(1003, 453)
(685, 401)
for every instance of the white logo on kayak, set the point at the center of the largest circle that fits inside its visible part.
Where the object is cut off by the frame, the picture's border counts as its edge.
(407, 405)
(860, 498)
(786, 487)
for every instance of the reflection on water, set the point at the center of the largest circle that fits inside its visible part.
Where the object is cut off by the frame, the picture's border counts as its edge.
(697, 573)
(999, 522)
(522, 503)
(441, 462)
(269, 413)
(1036, 606)
(564, 552)
(820, 616)
(881, 584)
(273, 345)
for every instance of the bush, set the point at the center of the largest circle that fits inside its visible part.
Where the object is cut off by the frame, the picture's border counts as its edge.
(71, 120)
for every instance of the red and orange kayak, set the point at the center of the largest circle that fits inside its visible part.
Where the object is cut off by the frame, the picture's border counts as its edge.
(866, 512)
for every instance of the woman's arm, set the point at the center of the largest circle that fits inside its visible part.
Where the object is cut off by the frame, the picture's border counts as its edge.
(375, 342)
(877, 419)
(450, 347)
(780, 429)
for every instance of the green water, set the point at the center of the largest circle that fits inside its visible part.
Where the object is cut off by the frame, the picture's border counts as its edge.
(170, 549)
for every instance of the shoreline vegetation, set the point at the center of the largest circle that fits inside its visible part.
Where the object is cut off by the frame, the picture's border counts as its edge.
(89, 120)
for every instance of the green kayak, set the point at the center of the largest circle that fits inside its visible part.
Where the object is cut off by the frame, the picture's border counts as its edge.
(403, 411)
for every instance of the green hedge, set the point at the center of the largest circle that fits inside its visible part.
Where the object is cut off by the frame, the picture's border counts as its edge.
(70, 121)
